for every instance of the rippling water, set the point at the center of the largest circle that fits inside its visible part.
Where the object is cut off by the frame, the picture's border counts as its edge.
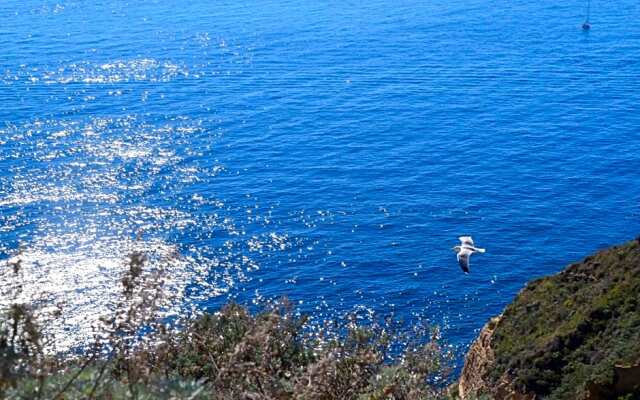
(327, 151)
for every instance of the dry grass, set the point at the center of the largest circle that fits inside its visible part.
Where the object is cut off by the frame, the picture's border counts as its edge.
(230, 354)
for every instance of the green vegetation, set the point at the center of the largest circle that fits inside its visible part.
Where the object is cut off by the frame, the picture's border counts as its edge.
(568, 336)
(564, 334)
(230, 354)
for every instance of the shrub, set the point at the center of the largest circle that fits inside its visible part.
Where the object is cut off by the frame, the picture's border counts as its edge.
(229, 354)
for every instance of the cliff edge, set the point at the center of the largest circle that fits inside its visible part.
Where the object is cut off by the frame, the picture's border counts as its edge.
(573, 335)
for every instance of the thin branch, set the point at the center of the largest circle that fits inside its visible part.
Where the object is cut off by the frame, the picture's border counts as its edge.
(84, 366)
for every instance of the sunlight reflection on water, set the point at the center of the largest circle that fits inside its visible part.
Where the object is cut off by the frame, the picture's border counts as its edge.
(81, 197)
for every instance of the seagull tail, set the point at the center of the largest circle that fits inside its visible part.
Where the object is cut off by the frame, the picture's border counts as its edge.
(479, 250)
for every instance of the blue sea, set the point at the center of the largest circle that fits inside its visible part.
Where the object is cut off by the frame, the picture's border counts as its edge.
(331, 152)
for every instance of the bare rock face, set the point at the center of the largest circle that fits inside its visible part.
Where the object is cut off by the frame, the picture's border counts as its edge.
(478, 363)
(626, 380)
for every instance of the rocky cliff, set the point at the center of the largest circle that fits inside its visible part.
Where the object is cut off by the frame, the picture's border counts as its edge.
(573, 335)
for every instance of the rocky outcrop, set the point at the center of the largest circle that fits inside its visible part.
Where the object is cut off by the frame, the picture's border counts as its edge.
(626, 379)
(573, 335)
(480, 360)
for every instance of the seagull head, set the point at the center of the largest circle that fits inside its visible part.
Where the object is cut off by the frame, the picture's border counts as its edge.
(456, 249)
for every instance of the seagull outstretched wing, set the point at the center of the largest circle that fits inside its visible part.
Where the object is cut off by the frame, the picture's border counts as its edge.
(466, 241)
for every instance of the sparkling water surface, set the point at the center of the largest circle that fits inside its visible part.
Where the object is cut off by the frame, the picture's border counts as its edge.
(331, 151)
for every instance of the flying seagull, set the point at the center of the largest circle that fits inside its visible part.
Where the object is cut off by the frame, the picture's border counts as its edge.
(465, 250)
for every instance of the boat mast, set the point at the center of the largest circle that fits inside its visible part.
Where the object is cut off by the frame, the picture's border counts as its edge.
(586, 26)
